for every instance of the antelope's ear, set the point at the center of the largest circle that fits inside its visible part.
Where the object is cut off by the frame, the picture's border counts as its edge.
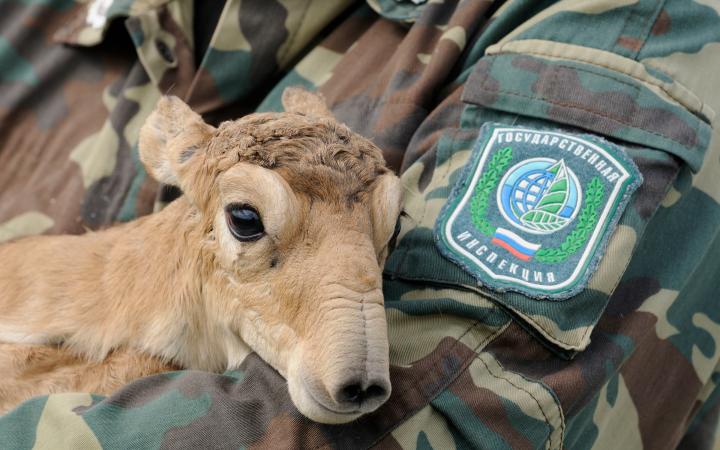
(387, 201)
(171, 137)
(298, 100)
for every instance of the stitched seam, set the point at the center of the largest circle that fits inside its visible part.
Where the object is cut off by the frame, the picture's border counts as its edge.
(450, 350)
(547, 420)
(424, 378)
(629, 15)
(592, 72)
(547, 334)
(595, 113)
(483, 87)
(645, 21)
(404, 417)
(451, 379)
(667, 73)
(552, 395)
(488, 295)
(555, 339)
(648, 30)
(465, 364)
(657, 83)
(542, 411)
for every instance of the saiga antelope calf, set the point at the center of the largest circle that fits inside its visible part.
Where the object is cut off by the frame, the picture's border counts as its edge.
(275, 247)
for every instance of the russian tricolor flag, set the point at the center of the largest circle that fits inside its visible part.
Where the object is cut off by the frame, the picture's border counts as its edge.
(515, 244)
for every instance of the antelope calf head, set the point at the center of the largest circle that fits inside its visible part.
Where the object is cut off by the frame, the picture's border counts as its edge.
(296, 214)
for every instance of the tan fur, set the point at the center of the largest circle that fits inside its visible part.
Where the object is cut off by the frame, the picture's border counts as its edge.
(179, 287)
(30, 370)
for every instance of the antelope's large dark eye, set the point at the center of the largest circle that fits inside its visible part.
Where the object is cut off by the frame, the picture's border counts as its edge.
(244, 222)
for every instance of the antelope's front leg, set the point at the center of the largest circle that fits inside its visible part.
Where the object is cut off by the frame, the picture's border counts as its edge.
(30, 370)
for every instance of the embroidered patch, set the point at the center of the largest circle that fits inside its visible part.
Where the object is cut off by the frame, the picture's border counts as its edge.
(534, 209)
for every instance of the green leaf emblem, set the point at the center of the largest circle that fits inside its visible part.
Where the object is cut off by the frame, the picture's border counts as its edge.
(544, 216)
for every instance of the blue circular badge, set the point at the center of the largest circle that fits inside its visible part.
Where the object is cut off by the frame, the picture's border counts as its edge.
(539, 195)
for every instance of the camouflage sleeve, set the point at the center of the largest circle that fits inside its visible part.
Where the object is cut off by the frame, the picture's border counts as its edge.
(78, 78)
(629, 360)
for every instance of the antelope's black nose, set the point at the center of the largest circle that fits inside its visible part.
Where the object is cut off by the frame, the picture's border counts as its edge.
(355, 393)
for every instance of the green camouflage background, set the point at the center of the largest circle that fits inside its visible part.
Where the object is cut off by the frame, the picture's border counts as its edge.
(631, 362)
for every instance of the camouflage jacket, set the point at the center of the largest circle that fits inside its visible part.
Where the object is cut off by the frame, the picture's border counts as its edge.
(629, 360)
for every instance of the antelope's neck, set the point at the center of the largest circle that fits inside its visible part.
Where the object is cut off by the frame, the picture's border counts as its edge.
(137, 285)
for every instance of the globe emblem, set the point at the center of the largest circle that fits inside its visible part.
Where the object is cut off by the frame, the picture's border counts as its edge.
(539, 195)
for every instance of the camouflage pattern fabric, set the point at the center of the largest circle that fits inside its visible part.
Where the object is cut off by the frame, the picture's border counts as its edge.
(630, 362)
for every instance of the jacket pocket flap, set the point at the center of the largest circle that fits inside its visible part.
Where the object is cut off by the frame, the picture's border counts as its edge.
(595, 90)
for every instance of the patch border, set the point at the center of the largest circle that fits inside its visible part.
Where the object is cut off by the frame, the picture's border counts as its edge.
(597, 243)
